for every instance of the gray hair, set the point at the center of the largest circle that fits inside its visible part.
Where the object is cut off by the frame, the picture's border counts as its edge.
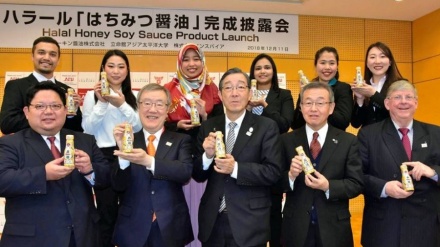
(317, 85)
(154, 87)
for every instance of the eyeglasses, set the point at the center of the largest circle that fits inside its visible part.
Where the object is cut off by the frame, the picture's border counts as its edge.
(147, 105)
(43, 107)
(319, 104)
(400, 98)
(239, 88)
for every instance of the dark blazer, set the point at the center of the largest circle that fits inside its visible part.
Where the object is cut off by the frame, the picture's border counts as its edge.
(257, 152)
(370, 113)
(279, 108)
(343, 108)
(12, 118)
(341, 165)
(389, 222)
(40, 212)
(145, 193)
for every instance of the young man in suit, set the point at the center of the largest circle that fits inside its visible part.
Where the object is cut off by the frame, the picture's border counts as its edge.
(316, 211)
(235, 208)
(393, 216)
(45, 56)
(153, 211)
(48, 204)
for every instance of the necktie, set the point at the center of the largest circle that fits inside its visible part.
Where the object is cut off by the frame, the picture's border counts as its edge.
(151, 150)
(231, 137)
(229, 146)
(405, 141)
(315, 146)
(55, 152)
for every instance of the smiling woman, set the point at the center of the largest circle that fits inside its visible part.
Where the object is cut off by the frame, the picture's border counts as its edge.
(192, 81)
(101, 114)
(326, 67)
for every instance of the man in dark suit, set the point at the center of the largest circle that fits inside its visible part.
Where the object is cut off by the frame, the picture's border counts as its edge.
(394, 217)
(153, 211)
(316, 211)
(235, 208)
(48, 204)
(45, 56)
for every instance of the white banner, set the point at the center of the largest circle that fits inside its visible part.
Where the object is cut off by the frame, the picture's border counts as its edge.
(148, 29)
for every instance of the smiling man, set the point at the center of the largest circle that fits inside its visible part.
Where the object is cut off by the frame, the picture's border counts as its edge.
(316, 210)
(45, 57)
(153, 210)
(48, 204)
(235, 208)
(393, 216)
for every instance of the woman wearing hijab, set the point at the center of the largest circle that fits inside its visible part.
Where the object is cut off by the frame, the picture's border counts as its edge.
(192, 81)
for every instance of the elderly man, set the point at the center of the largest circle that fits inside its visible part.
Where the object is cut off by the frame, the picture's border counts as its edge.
(153, 211)
(394, 217)
(316, 210)
(235, 208)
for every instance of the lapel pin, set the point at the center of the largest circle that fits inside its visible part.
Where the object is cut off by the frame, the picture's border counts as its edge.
(335, 141)
(248, 133)
(169, 144)
(424, 145)
(251, 129)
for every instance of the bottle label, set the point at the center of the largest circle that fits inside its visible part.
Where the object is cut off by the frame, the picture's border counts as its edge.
(69, 152)
(127, 139)
(220, 150)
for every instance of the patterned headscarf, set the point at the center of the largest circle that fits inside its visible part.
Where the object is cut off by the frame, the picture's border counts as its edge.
(193, 85)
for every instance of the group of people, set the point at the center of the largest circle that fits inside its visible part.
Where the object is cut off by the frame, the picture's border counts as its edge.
(173, 185)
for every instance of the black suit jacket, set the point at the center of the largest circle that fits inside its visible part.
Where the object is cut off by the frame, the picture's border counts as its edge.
(370, 113)
(248, 200)
(40, 212)
(145, 193)
(343, 108)
(389, 222)
(12, 118)
(341, 165)
(279, 108)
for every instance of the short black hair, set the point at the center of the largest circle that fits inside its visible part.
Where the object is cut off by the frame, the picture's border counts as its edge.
(45, 85)
(46, 39)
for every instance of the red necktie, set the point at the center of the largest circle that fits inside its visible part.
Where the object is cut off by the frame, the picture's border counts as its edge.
(315, 146)
(405, 141)
(55, 152)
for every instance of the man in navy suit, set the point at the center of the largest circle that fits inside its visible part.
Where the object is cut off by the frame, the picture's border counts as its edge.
(394, 217)
(48, 204)
(153, 211)
(235, 208)
(316, 211)
(45, 56)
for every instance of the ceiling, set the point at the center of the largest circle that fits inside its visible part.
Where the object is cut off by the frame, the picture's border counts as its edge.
(407, 10)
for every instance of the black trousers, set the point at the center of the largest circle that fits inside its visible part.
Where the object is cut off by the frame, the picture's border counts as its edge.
(107, 201)
(313, 237)
(221, 235)
(155, 237)
(276, 220)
